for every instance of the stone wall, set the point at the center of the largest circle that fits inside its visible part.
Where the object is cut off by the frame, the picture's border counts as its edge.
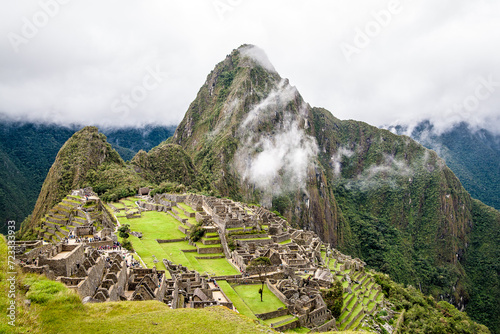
(97, 244)
(210, 250)
(273, 314)
(288, 326)
(277, 293)
(281, 237)
(66, 265)
(248, 236)
(116, 290)
(164, 241)
(108, 219)
(93, 279)
(327, 326)
(69, 281)
(175, 296)
(34, 253)
(161, 291)
(175, 198)
(45, 270)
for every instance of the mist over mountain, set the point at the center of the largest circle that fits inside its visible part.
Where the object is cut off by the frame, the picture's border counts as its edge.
(473, 154)
(367, 191)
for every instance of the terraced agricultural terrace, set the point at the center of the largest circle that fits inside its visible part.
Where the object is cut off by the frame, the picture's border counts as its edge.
(216, 268)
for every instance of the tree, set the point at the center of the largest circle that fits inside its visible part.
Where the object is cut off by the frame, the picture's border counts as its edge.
(196, 232)
(261, 265)
(334, 298)
(124, 231)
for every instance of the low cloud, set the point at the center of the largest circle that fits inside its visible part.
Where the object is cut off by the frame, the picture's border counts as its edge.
(336, 160)
(259, 56)
(278, 161)
(390, 172)
(426, 61)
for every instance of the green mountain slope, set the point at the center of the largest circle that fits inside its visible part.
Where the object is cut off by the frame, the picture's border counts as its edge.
(367, 191)
(473, 155)
(28, 150)
(85, 151)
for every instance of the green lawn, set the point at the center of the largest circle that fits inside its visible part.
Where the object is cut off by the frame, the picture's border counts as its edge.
(191, 220)
(236, 299)
(299, 330)
(186, 207)
(219, 267)
(155, 225)
(159, 225)
(250, 294)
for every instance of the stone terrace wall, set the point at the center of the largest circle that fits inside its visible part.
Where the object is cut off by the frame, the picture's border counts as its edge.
(108, 219)
(97, 244)
(34, 253)
(273, 314)
(327, 326)
(288, 326)
(210, 250)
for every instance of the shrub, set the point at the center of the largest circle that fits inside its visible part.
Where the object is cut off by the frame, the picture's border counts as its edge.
(197, 232)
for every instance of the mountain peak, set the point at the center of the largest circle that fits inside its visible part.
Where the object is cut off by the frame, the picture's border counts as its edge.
(86, 150)
(257, 55)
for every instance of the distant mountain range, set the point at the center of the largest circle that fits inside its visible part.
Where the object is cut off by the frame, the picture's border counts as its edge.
(472, 154)
(27, 151)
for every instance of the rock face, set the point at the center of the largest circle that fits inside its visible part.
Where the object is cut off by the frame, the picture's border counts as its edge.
(365, 190)
(87, 149)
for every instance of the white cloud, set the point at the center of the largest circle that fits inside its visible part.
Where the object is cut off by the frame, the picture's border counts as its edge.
(278, 161)
(425, 61)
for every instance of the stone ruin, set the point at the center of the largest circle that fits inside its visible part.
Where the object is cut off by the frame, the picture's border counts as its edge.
(188, 288)
(297, 273)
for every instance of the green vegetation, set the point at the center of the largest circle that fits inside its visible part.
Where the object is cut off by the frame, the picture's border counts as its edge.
(26, 152)
(482, 263)
(159, 225)
(168, 163)
(334, 298)
(423, 314)
(197, 232)
(374, 195)
(250, 295)
(237, 301)
(85, 158)
(473, 155)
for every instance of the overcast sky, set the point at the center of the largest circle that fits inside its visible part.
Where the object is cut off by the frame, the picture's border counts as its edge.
(124, 62)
